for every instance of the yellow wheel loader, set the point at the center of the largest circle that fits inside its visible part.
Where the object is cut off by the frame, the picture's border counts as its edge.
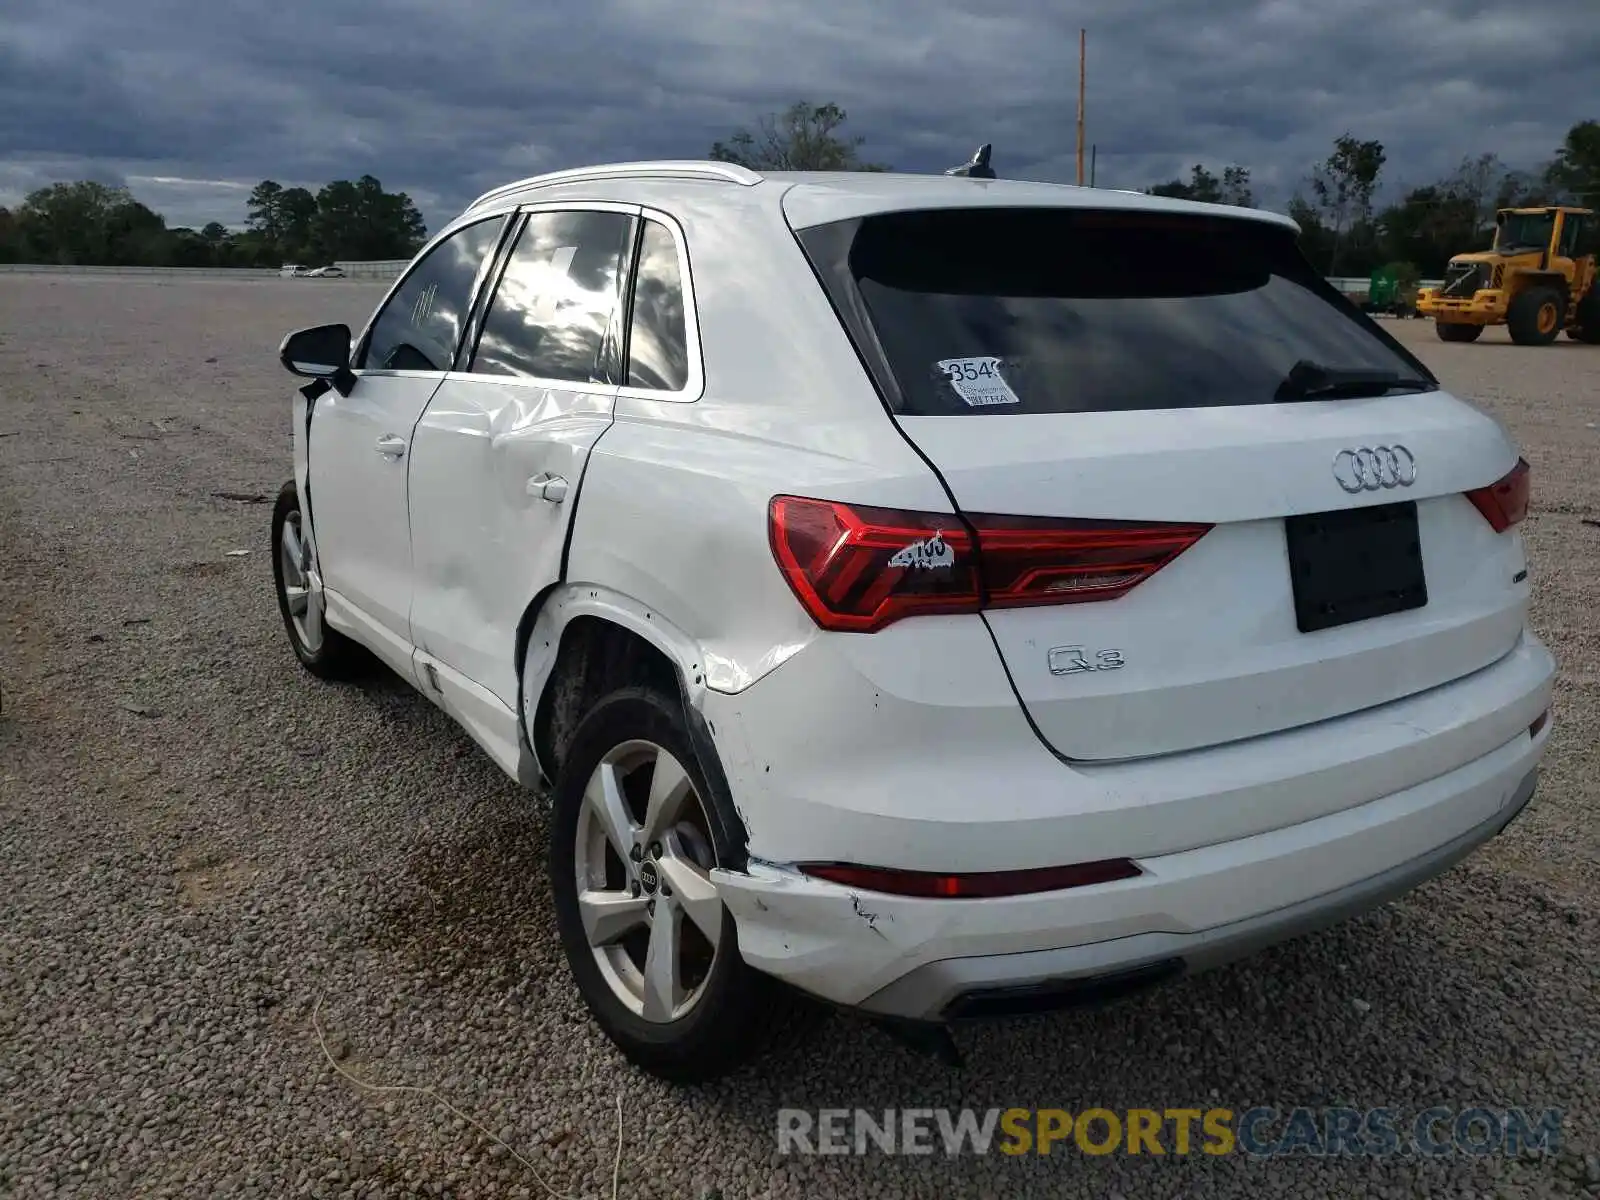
(1537, 279)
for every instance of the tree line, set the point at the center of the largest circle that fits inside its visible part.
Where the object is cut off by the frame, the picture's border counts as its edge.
(1342, 232)
(89, 223)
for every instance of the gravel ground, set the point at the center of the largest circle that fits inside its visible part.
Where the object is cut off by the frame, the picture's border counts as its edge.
(198, 840)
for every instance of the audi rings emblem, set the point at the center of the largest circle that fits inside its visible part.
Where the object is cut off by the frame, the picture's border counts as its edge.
(1374, 467)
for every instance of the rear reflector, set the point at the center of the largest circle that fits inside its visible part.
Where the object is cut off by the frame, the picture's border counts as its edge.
(1505, 502)
(858, 569)
(984, 885)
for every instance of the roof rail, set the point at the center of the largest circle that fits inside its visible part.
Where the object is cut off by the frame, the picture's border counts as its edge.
(664, 169)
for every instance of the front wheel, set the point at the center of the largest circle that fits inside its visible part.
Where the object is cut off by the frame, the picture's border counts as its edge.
(325, 652)
(1535, 317)
(1450, 331)
(636, 832)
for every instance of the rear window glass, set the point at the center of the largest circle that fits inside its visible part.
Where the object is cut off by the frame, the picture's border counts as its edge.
(997, 311)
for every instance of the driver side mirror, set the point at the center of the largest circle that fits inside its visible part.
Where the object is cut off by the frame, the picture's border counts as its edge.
(322, 352)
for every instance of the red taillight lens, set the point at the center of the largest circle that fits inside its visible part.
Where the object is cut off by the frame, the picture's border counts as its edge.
(1028, 560)
(858, 569)
(1505, 502)
(977, 886)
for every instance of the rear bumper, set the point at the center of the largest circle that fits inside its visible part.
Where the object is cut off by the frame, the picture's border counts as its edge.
(944, 960)
(965, 988)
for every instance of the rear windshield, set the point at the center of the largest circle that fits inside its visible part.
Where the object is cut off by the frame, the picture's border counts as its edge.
(997, 310)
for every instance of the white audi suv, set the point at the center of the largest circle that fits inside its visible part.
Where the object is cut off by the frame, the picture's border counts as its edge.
(949, 597)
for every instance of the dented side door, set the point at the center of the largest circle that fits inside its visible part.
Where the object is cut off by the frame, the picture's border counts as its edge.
(500, 451)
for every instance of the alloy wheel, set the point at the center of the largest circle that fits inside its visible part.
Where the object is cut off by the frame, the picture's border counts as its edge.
(644, 853)
(302, 589)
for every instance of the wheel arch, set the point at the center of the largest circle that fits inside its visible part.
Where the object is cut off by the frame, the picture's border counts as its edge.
(1527, 280)
(578, 642)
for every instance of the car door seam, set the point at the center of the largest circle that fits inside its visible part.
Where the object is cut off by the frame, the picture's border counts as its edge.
(577, 490)
(411, 537)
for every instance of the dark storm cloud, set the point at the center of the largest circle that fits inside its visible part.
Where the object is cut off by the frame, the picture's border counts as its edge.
(445, 100)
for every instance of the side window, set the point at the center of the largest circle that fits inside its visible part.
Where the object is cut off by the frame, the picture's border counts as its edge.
(1571, 230)
(420, 327)
(556, 297)
(1583, 236)
(658, 342)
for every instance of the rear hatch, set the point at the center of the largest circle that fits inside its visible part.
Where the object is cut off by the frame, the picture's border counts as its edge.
(1257, 499)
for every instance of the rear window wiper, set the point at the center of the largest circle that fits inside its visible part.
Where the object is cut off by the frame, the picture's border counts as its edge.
(1311, 380)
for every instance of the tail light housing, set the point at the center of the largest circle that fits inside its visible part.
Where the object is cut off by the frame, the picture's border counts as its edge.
(983, 885)
(856, 568)
(1504, 503)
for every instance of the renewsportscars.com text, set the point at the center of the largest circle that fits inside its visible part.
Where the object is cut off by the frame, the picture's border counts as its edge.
(1262, 1131)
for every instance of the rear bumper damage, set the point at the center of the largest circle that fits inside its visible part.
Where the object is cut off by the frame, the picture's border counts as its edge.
(941, 960)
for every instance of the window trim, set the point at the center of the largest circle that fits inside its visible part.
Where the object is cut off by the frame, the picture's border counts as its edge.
(695, 382)
(484, 296)
(502, 259)
(359, 353)
(512, 218)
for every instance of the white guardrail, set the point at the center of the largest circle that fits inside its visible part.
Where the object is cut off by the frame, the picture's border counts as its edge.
(377, 269)
(388, 269)
(1353, 286)
(181, 272)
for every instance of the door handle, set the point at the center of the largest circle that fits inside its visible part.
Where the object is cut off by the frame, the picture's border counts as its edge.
(390, 446)
(548, 487)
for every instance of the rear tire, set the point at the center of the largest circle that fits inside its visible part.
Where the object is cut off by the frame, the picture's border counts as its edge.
(1587, 327)
(678, 1002)
(1537, 316)
(1451, 331)
(323, 651)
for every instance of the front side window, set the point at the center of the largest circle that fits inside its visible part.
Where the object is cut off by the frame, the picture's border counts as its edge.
(1001, 311)
(557, 296)
(658, 340)
(420, 326)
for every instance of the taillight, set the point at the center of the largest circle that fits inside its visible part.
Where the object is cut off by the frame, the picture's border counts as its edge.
(1505, 502)
(1033, 560)
(975, 886)
(856, 568)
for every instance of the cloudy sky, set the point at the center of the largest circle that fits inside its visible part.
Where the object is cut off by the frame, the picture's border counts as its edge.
(190, 102)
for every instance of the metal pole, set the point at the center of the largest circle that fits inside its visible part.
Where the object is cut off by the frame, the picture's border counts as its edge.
(1094, 157)
(1083, 39)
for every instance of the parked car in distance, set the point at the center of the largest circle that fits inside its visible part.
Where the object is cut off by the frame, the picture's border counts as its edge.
(948, 597)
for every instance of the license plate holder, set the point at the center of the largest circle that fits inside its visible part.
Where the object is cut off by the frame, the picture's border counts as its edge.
(1355, 564)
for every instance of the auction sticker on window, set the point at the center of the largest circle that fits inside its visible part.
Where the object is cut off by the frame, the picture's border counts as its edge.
(978, 381)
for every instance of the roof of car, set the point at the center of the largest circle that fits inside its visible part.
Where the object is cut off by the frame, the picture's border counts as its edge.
(809, 198)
